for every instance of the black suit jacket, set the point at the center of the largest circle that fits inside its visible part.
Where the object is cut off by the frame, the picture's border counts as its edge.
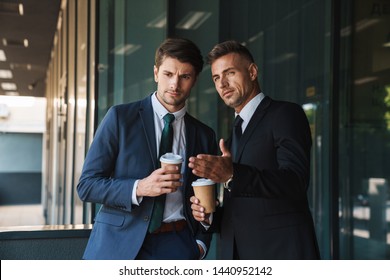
(266, 213)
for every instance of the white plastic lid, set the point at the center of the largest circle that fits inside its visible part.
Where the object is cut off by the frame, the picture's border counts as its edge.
(202, 182)
(171, 158)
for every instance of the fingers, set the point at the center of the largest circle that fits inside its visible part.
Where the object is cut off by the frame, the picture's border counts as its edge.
(159, 182)
(202, 158)
(225, 151)
(197, 210)
(202, 164)
(169, 169)
(170, 186)
(167, 173)
(170, 177)
(169, 183)
(210, 167)
(146, 188)
(193, 199)
(196, 205)
(198, 172)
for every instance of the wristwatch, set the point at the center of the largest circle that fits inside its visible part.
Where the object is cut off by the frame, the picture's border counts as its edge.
(226, 185)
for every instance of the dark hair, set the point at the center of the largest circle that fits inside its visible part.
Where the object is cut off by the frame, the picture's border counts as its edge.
(181, 49)
(227, 47)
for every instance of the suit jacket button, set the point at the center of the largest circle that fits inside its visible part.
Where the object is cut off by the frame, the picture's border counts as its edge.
(146, 218)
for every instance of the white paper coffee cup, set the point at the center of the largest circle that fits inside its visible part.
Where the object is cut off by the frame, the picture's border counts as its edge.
(171, 159)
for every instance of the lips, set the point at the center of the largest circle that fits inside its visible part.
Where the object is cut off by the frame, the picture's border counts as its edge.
(227, 92)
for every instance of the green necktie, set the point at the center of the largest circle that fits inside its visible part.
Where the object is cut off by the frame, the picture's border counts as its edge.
(165, 147)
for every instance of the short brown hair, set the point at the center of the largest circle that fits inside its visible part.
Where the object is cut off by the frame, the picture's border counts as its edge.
(227, 47)
(181, 49)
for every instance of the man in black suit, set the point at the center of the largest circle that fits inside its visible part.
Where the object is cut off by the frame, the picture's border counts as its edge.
(265, 212)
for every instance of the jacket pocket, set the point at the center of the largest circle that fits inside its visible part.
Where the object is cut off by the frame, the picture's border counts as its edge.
(110, 219)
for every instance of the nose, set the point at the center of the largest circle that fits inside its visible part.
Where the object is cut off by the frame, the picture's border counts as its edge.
(223, 82)
(174, 81)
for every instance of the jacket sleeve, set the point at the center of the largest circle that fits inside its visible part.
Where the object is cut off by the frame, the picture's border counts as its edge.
(96, 183)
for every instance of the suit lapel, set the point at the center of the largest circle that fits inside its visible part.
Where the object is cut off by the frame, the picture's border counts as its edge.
(147, 118)
(256, 118)
(190, 149)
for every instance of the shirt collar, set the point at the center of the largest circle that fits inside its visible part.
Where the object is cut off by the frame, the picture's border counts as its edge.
(250, 108)
(161, 111)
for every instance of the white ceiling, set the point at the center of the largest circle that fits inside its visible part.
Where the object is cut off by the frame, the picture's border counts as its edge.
(26, 37)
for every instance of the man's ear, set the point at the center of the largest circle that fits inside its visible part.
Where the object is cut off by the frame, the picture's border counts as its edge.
(155, 71)
(253, 71)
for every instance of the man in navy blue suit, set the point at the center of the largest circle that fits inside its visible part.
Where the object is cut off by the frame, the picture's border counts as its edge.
(265, 167)
(121, 170)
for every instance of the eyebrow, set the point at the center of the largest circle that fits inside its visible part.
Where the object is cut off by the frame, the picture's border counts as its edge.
(186, 73)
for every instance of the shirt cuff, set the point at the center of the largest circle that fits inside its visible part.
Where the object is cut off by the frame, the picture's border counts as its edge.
(205, 225)
(200, 243)
(136, 200)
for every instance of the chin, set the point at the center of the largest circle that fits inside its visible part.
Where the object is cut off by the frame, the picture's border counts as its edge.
(229, 102)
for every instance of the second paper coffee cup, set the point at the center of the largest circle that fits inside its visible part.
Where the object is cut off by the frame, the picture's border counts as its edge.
(204, 190)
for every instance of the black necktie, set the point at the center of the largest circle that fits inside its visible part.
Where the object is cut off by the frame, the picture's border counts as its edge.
(237, 132)
(165, 147)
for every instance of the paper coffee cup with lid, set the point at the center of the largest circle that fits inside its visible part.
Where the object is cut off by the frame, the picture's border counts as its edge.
(171, 159)
(204, 190)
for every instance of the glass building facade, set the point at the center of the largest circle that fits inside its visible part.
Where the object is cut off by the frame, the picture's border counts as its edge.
(331, 57)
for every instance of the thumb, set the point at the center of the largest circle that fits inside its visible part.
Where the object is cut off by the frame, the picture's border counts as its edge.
(225, 151)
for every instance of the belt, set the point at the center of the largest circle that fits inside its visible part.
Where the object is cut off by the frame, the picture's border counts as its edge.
(173, 226)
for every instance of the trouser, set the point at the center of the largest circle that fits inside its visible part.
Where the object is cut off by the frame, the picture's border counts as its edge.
(172, 245)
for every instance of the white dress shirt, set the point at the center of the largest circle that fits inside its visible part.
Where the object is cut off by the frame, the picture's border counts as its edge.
(249, 109)
(173, 210)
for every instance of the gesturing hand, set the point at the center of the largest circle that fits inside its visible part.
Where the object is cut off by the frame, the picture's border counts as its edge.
(216, 168)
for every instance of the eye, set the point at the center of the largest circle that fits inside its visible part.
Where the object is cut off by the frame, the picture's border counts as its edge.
(215, 79)
(186, 77)
(168, 74)
(230, 73)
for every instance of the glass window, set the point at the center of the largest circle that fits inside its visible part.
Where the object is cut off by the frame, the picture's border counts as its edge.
(365, 131)
(127, 43)
(198, 21)
(81, 65)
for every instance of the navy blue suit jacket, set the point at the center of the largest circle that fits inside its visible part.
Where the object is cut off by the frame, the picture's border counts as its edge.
(124, 150)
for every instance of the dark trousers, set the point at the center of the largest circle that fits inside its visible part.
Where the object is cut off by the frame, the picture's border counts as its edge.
(173, 245)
